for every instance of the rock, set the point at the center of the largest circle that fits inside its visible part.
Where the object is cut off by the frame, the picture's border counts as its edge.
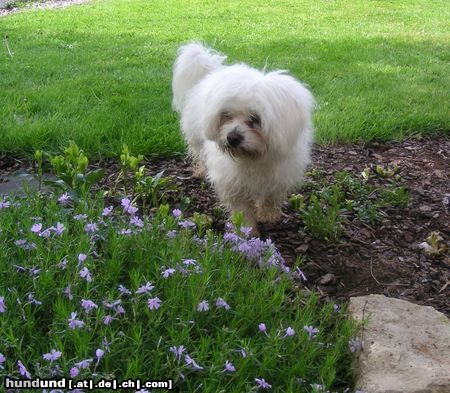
(327, 279)
(406, 346)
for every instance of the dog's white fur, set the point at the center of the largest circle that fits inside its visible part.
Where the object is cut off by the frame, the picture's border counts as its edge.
(249, 130)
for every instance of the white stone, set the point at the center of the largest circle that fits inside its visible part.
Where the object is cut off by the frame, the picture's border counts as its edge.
(406, 347)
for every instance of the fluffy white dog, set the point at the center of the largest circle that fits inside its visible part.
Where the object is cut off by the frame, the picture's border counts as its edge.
(249, 131)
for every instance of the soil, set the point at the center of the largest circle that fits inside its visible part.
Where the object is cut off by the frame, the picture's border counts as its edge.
(385, 258)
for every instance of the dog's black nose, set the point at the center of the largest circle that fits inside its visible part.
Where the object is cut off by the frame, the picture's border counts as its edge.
(234, 138)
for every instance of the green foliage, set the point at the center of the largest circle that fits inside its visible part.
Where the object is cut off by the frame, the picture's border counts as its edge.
(71, 171)
(330, 206)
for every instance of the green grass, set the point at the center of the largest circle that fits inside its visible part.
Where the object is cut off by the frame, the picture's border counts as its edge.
(100, 73)
(41, 285)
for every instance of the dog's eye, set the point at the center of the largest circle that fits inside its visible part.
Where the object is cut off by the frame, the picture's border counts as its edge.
(226, 116)
(255, 119)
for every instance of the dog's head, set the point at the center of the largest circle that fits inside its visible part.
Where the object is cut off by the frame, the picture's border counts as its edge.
(252, 115)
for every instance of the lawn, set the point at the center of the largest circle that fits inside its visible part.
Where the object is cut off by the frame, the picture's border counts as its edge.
(100, 73)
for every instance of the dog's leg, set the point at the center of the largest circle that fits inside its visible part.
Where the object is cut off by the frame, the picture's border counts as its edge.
(248, 210)
(268, 210)
(199, 169)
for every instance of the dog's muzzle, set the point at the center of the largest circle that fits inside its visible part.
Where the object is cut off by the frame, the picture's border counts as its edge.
(234, 138)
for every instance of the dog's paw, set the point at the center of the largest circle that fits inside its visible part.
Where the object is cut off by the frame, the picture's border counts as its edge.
(268, 212)
(199, 171)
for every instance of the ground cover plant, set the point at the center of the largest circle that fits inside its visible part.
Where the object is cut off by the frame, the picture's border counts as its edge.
(100, 73)
(89, 289)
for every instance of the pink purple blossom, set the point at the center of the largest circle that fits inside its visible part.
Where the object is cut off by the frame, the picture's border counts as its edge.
(154, 303)
(52, 355)
(220, 303)
(203, 306)
(23, 370)
(74, 322)
(262, 383)
(229, 367)
(84, 273)
(145, 288)
(2, 304)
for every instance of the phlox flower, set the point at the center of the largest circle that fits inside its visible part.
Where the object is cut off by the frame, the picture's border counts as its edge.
(154, 303)
(36, 228)
(84, 273)
(59, 229)
(289, 332)
(192, 363)
(262, 383)
(123, 290)
(145, 288)
(74, 372)
(91, 227)
(2, 359)
(262, 328)
(229, 367)
(22, 370)
(88, 305)
(128, 207)
(99, 354)
(312, 331)
(171, 234)
(4, 204)
(74, 322)
(203, 306)
(136, 221)
(220, 303)
(84, 363)
(107, 319)
(80, 217)
(52, 355)
(64, 199)
(178, 352)
(168, 272)
(186, 224)
(2, 304)
(176, 213)
(107, 211)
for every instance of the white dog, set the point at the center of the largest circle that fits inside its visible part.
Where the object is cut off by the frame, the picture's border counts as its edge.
(250, 131)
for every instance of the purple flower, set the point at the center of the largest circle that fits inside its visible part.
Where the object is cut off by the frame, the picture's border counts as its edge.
(74, 372)
(192, 363)
(91, 227)
(136, 221)
(128, 207)
(60, 228)
(230, 237)
(99, 354)
(220, 303)
(4, 204)
(64, 199)
(84, 363)
(171, 234)
(73, 322)
(119, 310)
(125, 232)
(84, 273)
(145, 288)
(2, 304)
(68, 292)
(154, 303)
(312, 331)
(168, 272)
(81, 259)
(123, 290)
(79, 217)
(178, 352)
(52, 355)
(32, 300)
(107, 211)
(262, 328)
(45, 233)
(176, 213)
(355, 345)
(2, 359)
(229, 367)
(107, 319)
(36, 228)
(22, 370)
(289, 332)
(203, 306)
(186, 224)
(247, 231)
(88, 305)
(262, 383)
(189, 262)
(336, 308)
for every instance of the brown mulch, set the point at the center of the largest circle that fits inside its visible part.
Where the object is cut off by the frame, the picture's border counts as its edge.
(367, 259)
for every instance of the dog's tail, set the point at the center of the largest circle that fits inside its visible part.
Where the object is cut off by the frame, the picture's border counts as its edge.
(194, 61)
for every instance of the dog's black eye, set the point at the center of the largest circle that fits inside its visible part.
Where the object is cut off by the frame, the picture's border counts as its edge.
(255, 119)
(226, 116)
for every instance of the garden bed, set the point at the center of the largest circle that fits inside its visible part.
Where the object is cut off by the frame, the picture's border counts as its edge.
(383, 258)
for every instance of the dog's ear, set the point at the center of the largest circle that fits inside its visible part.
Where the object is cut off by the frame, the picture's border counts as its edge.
(289, 106)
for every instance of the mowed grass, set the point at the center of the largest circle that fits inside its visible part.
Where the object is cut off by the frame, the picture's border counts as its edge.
(100, 73)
